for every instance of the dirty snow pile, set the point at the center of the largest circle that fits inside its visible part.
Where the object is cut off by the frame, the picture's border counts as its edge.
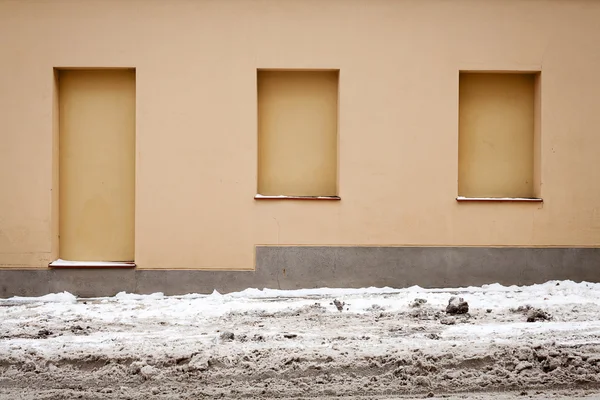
(301, 344)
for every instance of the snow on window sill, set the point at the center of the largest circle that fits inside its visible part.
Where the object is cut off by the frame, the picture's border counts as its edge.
(90, 264)
(282, 197)
(502, 199)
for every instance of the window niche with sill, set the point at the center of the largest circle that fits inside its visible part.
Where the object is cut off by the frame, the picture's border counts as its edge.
(499, 136)
(297, 134)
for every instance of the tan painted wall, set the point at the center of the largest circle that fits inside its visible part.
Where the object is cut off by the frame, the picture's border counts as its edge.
(196, 133)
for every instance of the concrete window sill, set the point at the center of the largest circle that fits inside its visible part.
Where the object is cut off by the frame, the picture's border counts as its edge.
(502, 199)
(90, 264)
(264, 197)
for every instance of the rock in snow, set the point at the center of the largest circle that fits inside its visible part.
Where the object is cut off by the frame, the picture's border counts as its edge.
(417, 302)
(536, 314)
(148, 371)
(339, 305)
(457, 305)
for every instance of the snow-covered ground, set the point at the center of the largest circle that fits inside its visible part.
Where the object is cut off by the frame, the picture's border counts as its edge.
(384, 343)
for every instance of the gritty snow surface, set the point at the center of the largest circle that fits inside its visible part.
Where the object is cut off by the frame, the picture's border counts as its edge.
(540, 341)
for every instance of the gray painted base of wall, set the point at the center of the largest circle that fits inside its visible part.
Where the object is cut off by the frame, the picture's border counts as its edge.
(294, 267)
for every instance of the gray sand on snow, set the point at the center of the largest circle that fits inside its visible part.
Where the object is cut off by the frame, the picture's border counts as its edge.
(312, 351)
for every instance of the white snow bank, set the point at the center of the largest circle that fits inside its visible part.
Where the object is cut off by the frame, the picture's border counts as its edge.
(550, 287)
(133, 296)
(64, 297)
(566, 290)
(325, 291)
(156, 322)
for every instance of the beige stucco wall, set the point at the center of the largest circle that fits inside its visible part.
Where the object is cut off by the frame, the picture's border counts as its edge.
(196, 139)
